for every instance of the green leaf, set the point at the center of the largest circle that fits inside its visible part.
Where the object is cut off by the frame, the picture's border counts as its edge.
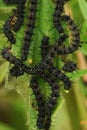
(77, 74)
(3, 70)
(83, 7)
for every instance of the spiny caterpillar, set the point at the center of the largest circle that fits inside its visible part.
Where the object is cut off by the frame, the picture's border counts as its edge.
(29, 31)
(52, 100)
(19, 13)
(40, 102)
(10, 2)
(44, 46)
(14, 22)
(45, 69)
(16, 71)
(57, 15)
(8, 32)
(69, 66)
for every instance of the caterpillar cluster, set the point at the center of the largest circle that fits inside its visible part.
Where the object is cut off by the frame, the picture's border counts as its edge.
(29, 31)
(42, 73)
(45, 69)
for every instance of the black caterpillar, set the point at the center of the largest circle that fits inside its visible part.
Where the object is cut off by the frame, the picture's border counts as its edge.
(40, 102)
(9, 57)
(16, 71)
(10, 2)
(58, 13)
(29, 31)
(44, 47)
(52, 100)
(54, 49)
(69, 66)
(51, 104)
(19, 13)
(6, 54)
(75, 36)
(8, 32)
(14, 22)
(58, 74)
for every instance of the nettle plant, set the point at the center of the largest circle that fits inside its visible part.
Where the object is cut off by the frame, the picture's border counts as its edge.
(42, 40)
